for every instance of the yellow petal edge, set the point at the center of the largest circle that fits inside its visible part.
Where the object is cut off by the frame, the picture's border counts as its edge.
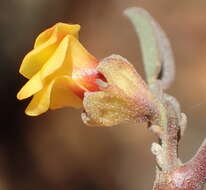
(51, 67)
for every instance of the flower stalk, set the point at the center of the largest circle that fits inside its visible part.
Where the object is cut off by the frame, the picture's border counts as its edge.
(171, 173)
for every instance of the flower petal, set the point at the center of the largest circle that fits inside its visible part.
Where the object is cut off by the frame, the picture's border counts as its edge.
(44, 47)
(81, 58)
(58, 31)
(60, 70)
(84, 67)
(36, 83)
(31, 87)
(55, 94)
(62, 55)
(63, 29)
(62, 95)
(40, 102)
(35, 59)
(43, 37)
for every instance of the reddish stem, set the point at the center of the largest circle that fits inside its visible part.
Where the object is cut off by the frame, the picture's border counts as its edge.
(190, 176)
(198, 163)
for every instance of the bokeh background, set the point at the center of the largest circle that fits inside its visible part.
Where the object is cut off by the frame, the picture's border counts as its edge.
(56, 151)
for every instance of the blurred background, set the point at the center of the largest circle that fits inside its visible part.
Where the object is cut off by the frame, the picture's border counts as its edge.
(56, 151)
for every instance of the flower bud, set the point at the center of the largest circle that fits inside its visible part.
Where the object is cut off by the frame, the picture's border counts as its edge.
(125, 97)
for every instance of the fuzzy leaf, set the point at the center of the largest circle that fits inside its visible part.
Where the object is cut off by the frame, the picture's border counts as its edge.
(156, 49)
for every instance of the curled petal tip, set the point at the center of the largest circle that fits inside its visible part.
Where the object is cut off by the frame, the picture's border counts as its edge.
(19, 96)
(32, 113)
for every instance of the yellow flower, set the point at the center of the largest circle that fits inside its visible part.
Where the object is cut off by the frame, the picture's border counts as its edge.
(59, 70)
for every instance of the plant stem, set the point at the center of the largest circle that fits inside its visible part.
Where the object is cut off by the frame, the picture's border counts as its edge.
(170, 125)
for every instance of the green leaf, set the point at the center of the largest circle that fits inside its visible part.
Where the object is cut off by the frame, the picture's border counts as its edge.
(157, 54)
